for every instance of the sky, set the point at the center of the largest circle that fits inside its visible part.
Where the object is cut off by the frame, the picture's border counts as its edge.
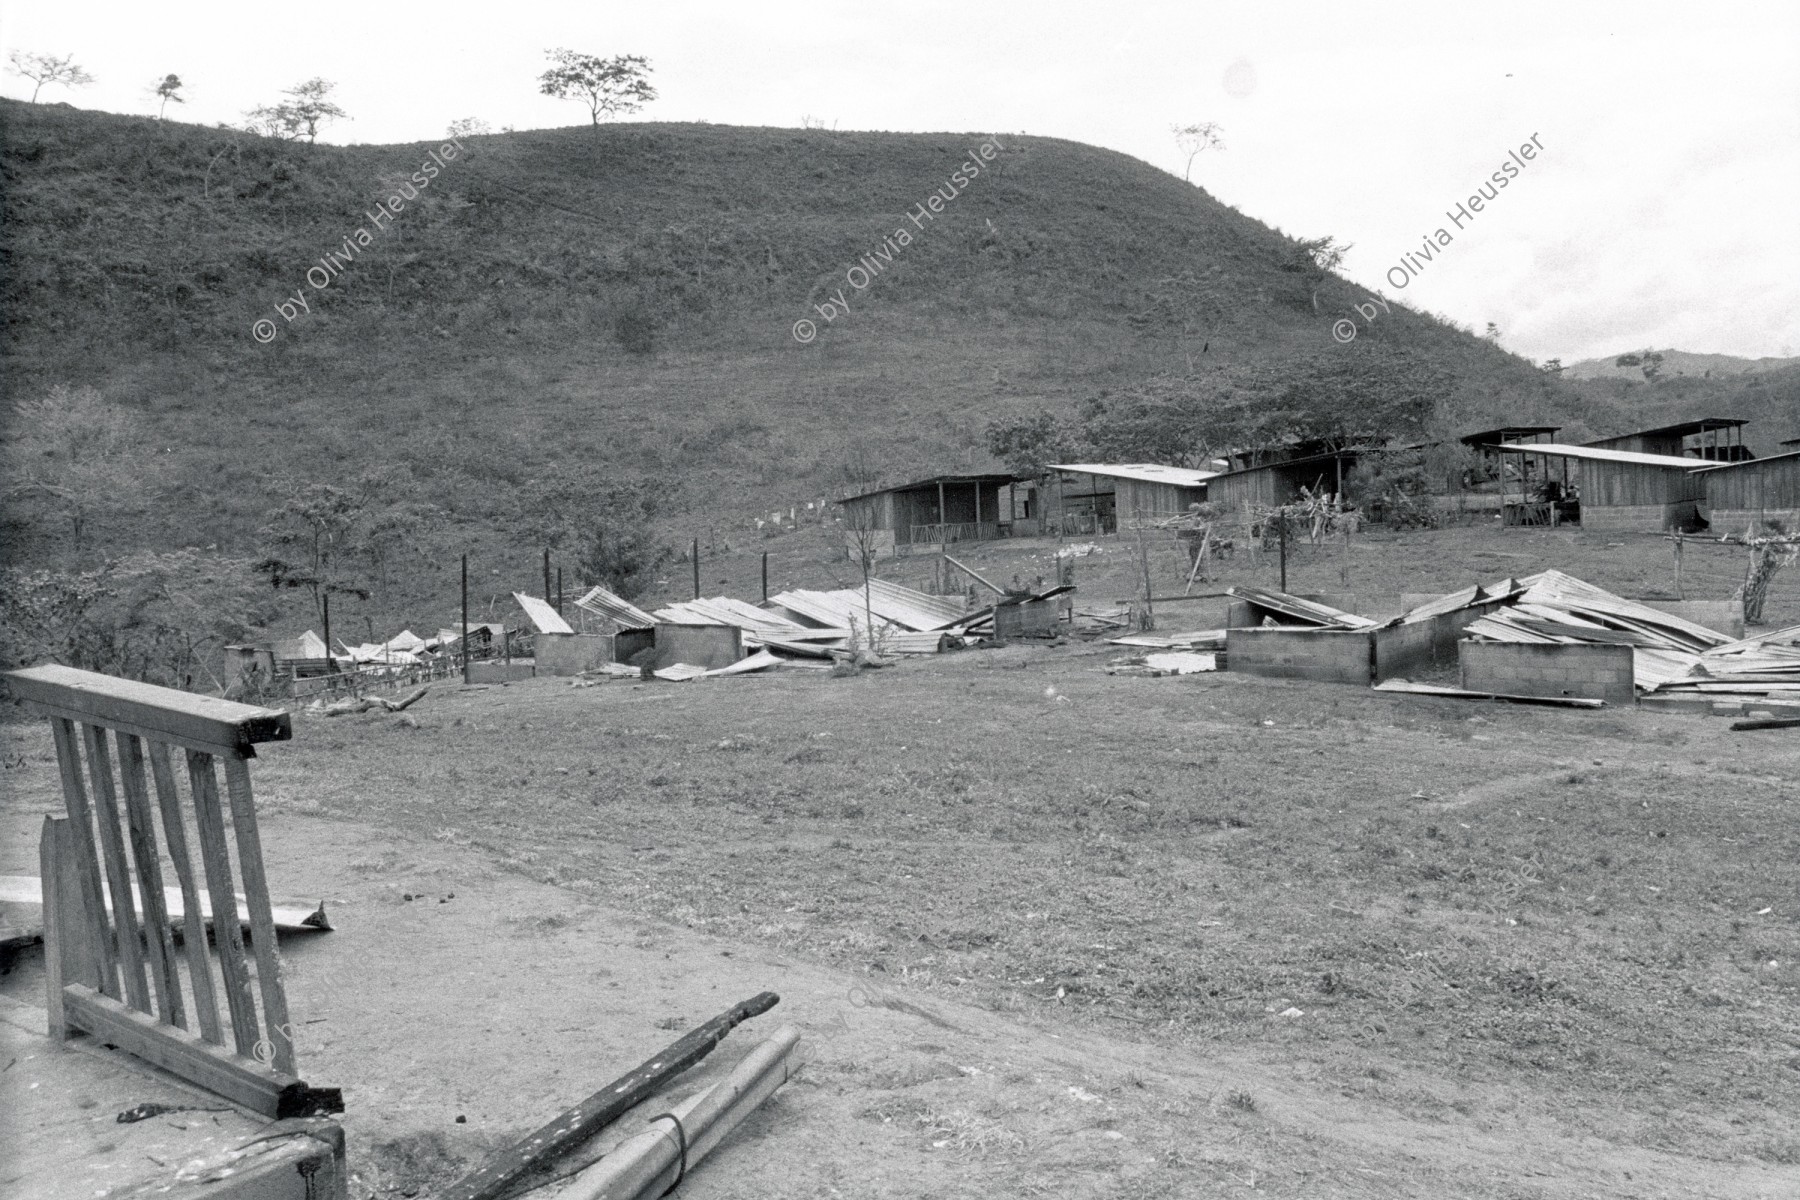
(1659, 212)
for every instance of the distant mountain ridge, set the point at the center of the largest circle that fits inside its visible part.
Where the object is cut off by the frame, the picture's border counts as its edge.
(1666, 364)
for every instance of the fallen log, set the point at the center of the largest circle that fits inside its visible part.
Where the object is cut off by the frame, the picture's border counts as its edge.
(362, 704)
(1768, 723)
(536, 1153)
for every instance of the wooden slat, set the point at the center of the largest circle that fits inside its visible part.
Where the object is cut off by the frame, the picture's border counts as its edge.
(241, 1081)
(193, 927)
(118, 871)
(87, 864)
(164, 714)
(229, 938)
(262, 921)
(158, 941)
(55, 857)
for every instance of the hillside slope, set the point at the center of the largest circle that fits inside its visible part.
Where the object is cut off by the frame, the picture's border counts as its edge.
(598, 308)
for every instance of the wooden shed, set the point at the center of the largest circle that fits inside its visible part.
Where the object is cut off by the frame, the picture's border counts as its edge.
(934, 511)
(1625, 490)
(1715, 439)
(1117, 495)
(1738, 495)
(1271, 484)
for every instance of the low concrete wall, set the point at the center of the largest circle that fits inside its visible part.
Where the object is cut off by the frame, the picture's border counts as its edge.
(1736, 520)
(1038, 618)
(1643, 518)
(572, 653)
(709, 646)
(1329, 655)
(500, 672)
(1532, 669)
(1403, 650)
(1722, 616)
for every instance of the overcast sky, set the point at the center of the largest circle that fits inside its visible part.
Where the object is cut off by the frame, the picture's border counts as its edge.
(1660, 212)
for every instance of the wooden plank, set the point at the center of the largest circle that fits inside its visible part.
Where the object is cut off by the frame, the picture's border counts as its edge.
(975, 575)
(161, 713)
(168, 799)
(118, 872)
(242, 1081)
(87, 861)
(289, 918)
(262, 922)
(217, 859)
(157, 939)
(532, 1154)
(55, 857)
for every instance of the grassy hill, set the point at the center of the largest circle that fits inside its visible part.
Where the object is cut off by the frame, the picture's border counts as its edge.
(608, 312)
(1672, 363)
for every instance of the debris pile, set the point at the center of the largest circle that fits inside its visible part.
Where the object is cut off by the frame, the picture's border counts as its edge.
(1671, 656)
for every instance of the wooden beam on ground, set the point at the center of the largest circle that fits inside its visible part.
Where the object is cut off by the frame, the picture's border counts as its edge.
(972, 573)
(536, 1152)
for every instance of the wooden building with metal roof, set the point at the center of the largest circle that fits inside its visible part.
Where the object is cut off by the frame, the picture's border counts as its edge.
(1743, 494)
(1623, 489)
(934, 511)
(1714, 439)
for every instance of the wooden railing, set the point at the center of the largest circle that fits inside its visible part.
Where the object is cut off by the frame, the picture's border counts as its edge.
(956, 531)
(111, 965)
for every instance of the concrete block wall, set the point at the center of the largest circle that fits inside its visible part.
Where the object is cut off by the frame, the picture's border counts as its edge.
(1736, 520)
(571, 653)
(1531, 669)
(1721, 616)
(1643, 518)
(709, 646)
(1328, 655)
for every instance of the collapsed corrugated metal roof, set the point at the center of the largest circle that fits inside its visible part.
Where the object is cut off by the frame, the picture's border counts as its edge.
(617, 609)
(543, 618)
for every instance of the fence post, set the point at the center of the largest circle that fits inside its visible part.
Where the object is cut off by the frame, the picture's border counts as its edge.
(465, 618)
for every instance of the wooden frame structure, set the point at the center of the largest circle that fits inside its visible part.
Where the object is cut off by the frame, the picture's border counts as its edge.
(111, 965)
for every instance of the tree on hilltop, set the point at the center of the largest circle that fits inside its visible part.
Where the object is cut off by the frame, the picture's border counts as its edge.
(44, 69)
(620, 84)
(1194, 139)
(308, 108)
(168, 89)
(1316, 258)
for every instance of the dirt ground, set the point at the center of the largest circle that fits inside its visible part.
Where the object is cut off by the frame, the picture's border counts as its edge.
(1053, 932)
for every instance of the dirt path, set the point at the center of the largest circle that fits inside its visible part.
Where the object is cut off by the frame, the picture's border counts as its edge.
(512, 999)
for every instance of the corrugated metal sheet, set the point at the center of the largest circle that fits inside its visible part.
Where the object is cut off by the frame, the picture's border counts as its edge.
(915, 610)
(603, 603)
(723, 610)
(1599, 454)
(543, 618)
(1143, 472)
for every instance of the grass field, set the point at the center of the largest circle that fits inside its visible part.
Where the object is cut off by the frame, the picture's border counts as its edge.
(1588, 917)
(1414, 939)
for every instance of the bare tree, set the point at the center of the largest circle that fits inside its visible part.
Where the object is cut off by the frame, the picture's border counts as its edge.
(44, 69)
(1193, 139)
(168, 89)
(620, 84)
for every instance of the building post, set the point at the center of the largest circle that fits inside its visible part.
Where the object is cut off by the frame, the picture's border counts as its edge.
(765, 576)
(546, 573)
(330, 662)
(559, 591)
(696, 551)
(465, 618)
(1281, 530)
